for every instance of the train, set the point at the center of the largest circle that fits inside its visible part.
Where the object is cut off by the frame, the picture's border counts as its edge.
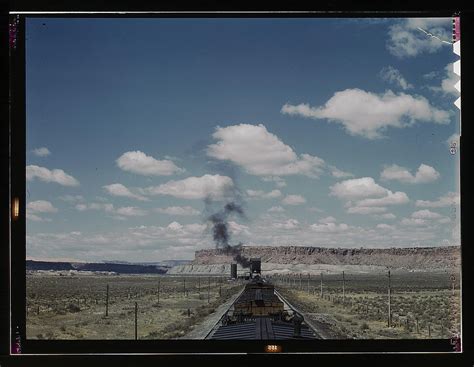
(259, 312)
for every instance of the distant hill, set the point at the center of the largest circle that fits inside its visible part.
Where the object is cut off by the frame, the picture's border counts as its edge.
(119, 268)
(415, 258)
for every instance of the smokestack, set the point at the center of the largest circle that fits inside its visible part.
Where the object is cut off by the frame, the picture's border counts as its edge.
(233, 271)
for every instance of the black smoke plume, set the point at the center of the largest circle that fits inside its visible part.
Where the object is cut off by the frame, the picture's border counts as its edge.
(221, 234)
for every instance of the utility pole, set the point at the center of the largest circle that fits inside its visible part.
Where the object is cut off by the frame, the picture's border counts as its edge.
(389, 301)
(136, 319)
(107, 302)
(321, 292)
(208, 289)
(343, 288)
(159, 281)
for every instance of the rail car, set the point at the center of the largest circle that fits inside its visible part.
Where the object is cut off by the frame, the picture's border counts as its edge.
(258, 313)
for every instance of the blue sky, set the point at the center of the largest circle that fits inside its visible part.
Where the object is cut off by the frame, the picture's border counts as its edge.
(335, 132)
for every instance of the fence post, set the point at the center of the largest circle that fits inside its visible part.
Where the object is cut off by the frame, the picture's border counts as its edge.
(417, 329)
(184, 286)
(308, 282)
(429, 330)
(199, 285)
(136, 319)
(107, 302)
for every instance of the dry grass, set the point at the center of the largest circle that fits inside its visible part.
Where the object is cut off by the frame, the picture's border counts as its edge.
(74, 307)
(364, 315)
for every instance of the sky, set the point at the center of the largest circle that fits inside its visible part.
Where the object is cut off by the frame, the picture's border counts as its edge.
(328, 132)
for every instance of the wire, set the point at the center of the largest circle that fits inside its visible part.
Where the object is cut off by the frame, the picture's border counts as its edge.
(433, 36)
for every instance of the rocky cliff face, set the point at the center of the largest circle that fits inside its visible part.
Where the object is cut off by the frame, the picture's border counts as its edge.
(419, 258)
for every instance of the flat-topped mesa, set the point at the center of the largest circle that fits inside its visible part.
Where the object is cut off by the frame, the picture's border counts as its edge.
(408, 258)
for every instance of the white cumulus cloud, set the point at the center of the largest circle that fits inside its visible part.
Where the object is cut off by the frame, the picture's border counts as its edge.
(393, 76)
(41, 152)
(365, 210)
(118, 189)
(261, 153)
(357, 188)
(288, 224)
(41, 206)
(34, 208)
(259, 194)
(329, 227)
(327, 220)
(365, 196)
(276, 209)
(426, 214)
(142, 164)
(451, 198)
(216, 187)
(369, 114)
(46, 175)
(424, 174)
(293, 200)
(407, 40)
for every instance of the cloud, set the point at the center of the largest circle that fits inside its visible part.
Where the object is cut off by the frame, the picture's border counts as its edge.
(294, 200)
(41, 152)
(424, 174)
(369, 114)
(335, 172)
(365, 196)
(393, 76)
(238, 229)
(118, 213)
(118, 189)
(329, 227)
(385, 226)
(46, 175)
(387, 216)
(259, 194)
(216, 187)
(451, 198)
(288, 224)
(261, 153)
(140, 243)
(447, 83)
(71, 198)
(426, 214)
(365, 210)
(279, 182)
(178, 210)
(95, 206)
(327, 220)
(391, 198)
(357, 188)
(406, 40)
(130, 211)
(39, 206)
(142, 164)
(413, 222)
(276, 209)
